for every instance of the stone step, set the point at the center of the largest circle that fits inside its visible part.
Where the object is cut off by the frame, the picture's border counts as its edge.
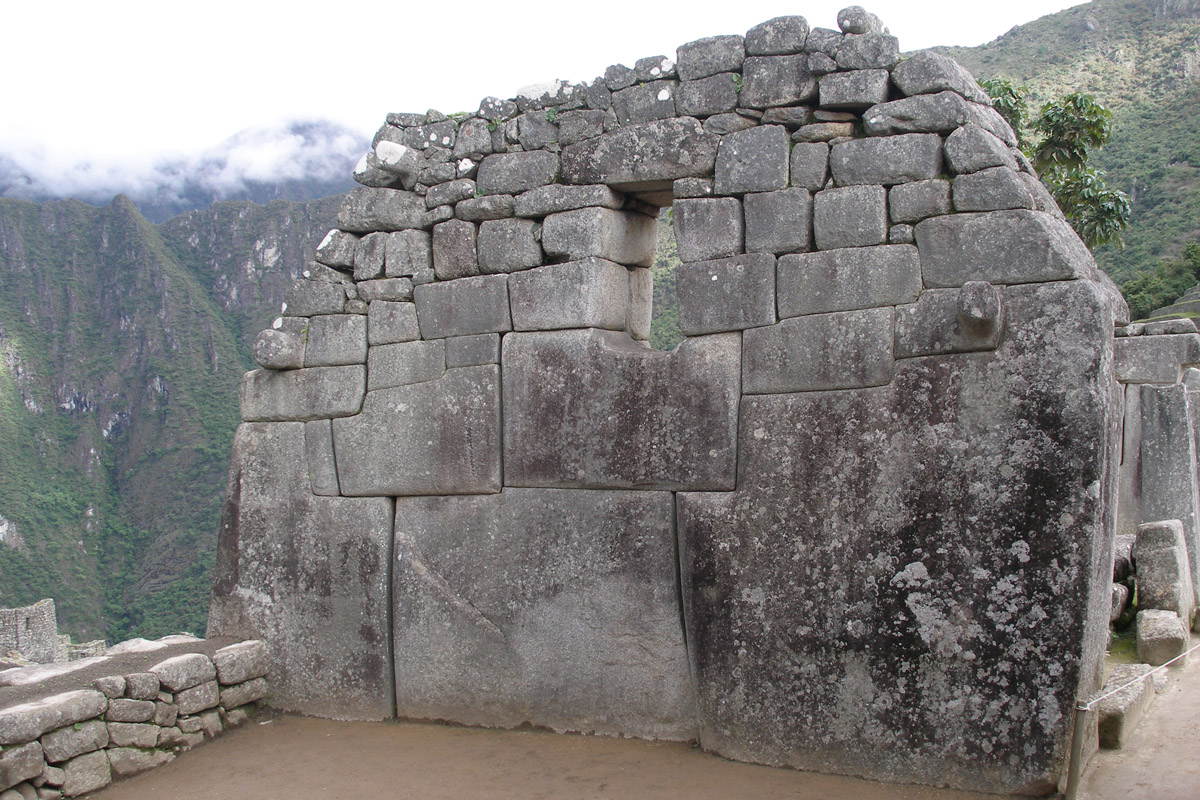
(1120, 714)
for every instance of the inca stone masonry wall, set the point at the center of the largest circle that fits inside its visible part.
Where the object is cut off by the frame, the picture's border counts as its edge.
(859, 521)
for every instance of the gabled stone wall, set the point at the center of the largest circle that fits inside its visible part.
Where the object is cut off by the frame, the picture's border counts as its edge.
(859, 521)
(32, 632)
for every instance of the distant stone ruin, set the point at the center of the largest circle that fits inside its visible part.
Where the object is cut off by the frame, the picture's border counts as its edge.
(30, 633)
(860, 521)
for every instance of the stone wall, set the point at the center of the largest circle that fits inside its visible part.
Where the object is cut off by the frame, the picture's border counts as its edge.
(32, 632)
(859, 521)
(68, 743)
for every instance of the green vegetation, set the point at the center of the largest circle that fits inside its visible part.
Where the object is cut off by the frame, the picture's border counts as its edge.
(1169, 280)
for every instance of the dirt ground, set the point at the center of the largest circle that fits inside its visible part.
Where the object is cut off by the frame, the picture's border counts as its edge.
(299, 758)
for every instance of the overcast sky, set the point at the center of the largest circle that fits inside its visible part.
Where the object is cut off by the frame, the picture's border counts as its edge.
(120, 81)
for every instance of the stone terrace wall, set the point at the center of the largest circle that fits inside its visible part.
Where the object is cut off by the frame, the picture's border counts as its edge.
(68, 743)
(882, 463)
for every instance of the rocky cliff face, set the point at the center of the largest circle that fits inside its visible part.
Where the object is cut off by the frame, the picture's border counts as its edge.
(122, 348)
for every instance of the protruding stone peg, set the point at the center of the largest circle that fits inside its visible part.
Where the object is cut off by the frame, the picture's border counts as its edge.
(979, 306)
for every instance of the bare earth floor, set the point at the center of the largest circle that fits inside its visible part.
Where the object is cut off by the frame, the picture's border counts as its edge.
(299, 758)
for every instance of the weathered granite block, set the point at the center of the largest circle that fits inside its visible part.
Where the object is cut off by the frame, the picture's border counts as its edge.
(478, 209)
(284, 576)
(913, 202)
(20, 763)
(1168, 476)
(535, 131)
(398, 290)
(124, 710)
(868, 51)
(86, 773)
(859, 89)
(302, 394)
(27, 721)
(369, 256)
(197, 698)
(928, 72)
(463, 307)
(310, 298)
(74, 740)
(1155, 359)
(404, 363)
(625, 237)
(778, 36)
(473, 351)
(876, 496)
(778, 222)
(705, 57)
(322, 472)
(715, 94)
(337, 249)
(1164, 580)
(934, 113)
(708, 228)
(551, 607)
(848, 279)
(810, 165)
(365, 210)
(110, 685)
(134, 734)
(513, 173)
(241, 662)
(726, 295)
(971, 149)
(1161, 636)
(857, 20)
(506, 245)
(1000, 247)
(592, 293)
(845, 350)
(595, 409)
(407, 253)
(992, 189)
(184, 672)
(645, 154)
(645, 102)
(776, 81)
(335, 340)
(942, 322)
(388, 323)
(126, 761)
(556, 197)
(473, 141)
(454, 254)
(446, 440)
(887, 159)
(277, 349)
(575, 126)
(242, 693)
(850, 216)
(722, 124)
(753, 160)
(1120, 714)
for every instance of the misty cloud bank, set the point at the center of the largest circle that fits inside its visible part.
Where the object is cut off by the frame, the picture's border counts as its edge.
(291, 161)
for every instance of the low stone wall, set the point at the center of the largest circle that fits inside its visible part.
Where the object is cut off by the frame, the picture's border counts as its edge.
(65, 744)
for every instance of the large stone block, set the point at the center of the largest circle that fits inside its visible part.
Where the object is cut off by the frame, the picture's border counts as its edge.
(769, 81)
(868, 51)
(1120, 714)
(778, 36)
(74, 740)
(626, 237)
(708, 228)
(1161, 636)
(1160, 555)
(126, 761)
(1155, 359)
(715, 94)
(27, 721)
(848, 279)
(726, 295)
(705, 57)
(913, 202)
(645, 102)
(86, 773)
(388, 322)
(183, 672)
(365, 210)
(463, 307)
(308, 576)
(407, 253)
(845, 350)
(753, 160)
(1000, 247)
(241, 662)
(310, 298)
(858, 89)
(507, 245)
(992, 189)
(437, 437)
(336, 340)
(649, 154)
(20, 763)
(934, 113)
(971, 148)
(404, 363)
(591, 293)
(541, 606)
(810, 165)
(473, 351)
(454, 254)
(778, 222)
(1167, 469)
(879, 497)
(850, 216)
(556, 197)
(513, 173)
(595, 409)
(928, 72)
(302, 394)
(887, 159)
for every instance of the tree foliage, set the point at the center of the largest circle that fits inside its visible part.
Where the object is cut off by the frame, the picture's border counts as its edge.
(1169, 280)
(1059, 142)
